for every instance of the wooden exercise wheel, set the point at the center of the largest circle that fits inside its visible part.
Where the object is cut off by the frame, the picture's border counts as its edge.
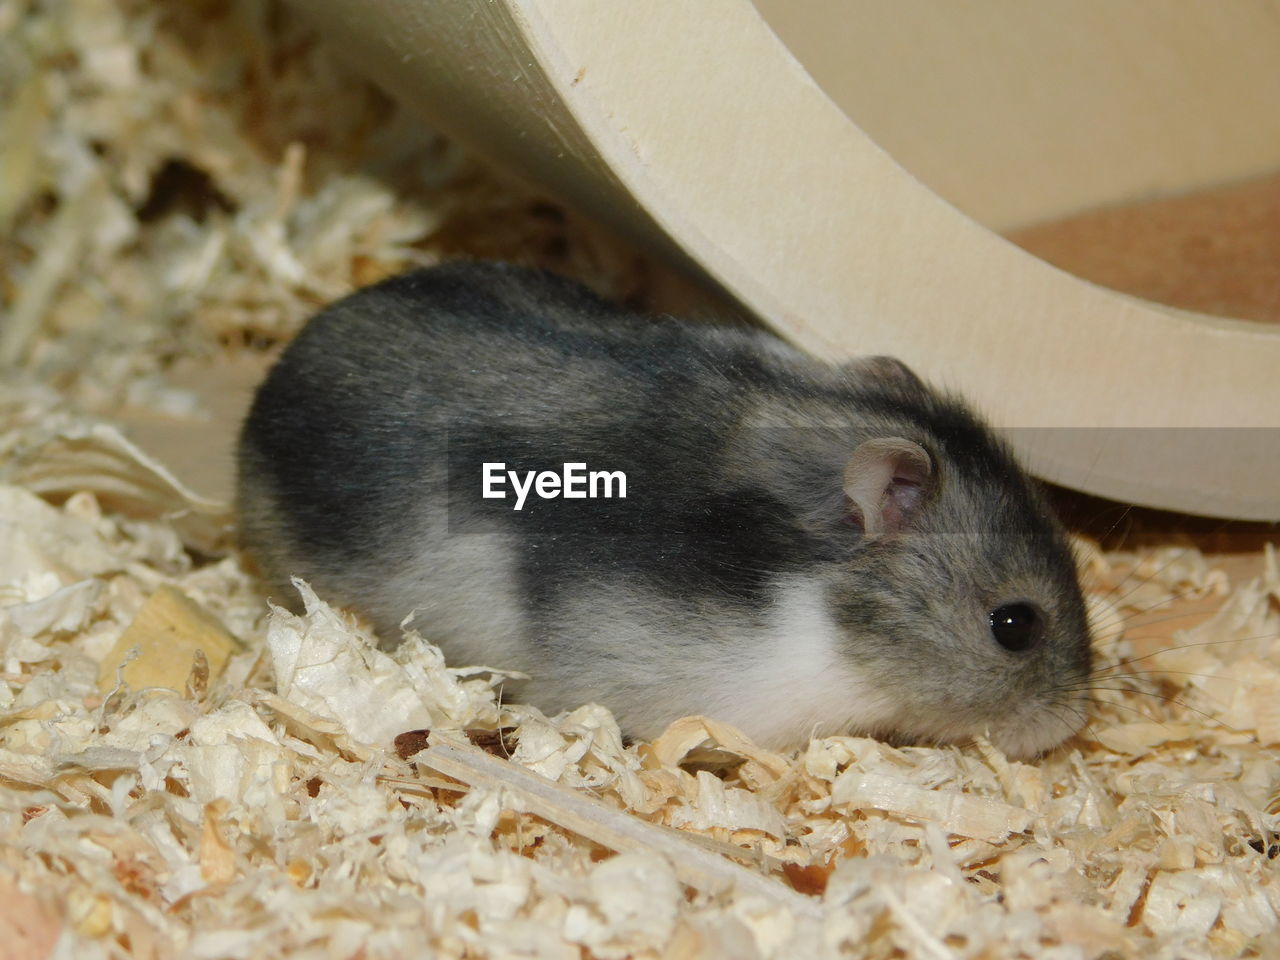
(851, 186)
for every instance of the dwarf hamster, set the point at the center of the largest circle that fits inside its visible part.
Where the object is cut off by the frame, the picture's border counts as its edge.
(712, 522)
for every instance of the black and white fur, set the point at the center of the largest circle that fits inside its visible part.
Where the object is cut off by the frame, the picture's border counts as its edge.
(805, 548)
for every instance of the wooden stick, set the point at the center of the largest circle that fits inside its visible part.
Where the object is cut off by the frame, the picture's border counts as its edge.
(580, 814)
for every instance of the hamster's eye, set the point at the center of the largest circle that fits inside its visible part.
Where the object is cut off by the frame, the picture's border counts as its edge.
(1017, 626)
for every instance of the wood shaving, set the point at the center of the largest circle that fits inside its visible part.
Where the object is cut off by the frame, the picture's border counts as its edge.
(180, 182)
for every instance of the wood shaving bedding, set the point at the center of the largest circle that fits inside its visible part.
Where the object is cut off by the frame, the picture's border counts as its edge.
(274, 794)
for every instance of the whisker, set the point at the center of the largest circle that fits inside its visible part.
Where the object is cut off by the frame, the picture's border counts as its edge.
(1122, 619)
(1125, 617)
(1201, 643)
(1157, 696)
(1134, 572)
(1057, 709)
(1099, 702)
(1157, 673)
(1069, 729)
(1124, 515)
(1152, 576)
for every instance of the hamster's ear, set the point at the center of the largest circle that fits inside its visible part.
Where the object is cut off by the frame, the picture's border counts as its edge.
(886, 479)
(886, 370)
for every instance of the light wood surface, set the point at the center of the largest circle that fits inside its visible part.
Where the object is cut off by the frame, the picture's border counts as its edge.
(691, 127)
(1019, 112)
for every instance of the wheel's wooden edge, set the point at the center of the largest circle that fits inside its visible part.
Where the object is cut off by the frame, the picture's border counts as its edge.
(1068, 352)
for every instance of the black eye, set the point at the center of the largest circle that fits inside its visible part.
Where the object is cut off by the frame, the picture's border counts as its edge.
(1017, 626)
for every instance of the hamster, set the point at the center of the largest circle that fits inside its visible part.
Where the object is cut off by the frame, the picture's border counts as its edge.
(795, 547)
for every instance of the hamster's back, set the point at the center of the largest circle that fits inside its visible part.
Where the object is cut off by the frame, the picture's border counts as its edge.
(346, 455)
